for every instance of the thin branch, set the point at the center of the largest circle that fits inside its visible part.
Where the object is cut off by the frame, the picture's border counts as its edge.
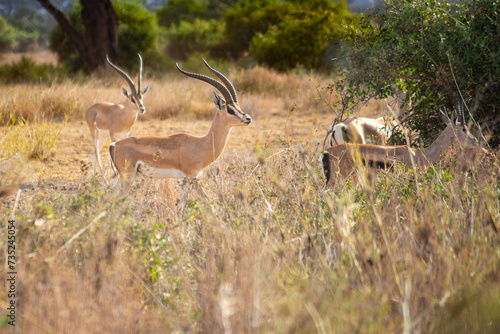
(65, 24)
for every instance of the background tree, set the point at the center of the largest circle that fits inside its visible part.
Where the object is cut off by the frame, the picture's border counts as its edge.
(305, 35)
(176, 11)
(248, 18)
(10, 36)
(437, 51)
(279, 34)
(137, 31)
(98, 35)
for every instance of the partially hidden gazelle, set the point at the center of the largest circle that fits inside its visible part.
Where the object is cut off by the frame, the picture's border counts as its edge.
(112, 120)
(181, 155)
(361, 130)
(339, 160)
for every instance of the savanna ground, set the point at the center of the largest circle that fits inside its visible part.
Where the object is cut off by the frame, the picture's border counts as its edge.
(261, 246)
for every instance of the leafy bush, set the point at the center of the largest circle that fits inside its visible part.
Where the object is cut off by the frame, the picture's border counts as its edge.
(215, 9)
(281, 35)
(138, 32)
(248, 18)
(303, 35)
(34, 22)
(10, 36)
(437, 51)
(176, 11)
(199, 36)
(26, 70)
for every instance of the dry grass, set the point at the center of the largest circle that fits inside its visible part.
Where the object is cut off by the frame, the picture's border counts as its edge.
(42, 57)
(261, 246)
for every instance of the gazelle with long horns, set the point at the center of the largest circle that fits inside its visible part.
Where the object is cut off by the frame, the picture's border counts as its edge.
(111, 120)
(181, 155)
(339, 160)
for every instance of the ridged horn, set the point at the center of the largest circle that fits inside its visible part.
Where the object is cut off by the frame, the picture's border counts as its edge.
(225, 81)
(139, 83)
(460, 107)
(124, 75)
(217, 84)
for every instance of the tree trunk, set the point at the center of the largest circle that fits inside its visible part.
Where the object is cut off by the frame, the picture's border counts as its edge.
(101, 31)
(100, 36)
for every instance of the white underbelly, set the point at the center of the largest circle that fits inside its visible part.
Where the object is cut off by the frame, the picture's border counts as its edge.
(160, 173)
(120, 135)
(103, 133)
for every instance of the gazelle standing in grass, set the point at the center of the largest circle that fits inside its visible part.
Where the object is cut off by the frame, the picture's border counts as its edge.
(181, 155)
(111, 120)
(339, 160)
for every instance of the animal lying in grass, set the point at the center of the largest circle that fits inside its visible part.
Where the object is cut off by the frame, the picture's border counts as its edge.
(339, 160)
(361, 130)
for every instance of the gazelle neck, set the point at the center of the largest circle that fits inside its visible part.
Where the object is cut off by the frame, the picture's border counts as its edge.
(127, 104)
(215, 140)
(441, 144)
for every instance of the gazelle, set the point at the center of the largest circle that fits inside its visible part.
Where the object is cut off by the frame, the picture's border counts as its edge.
(181, 155)
(111, 120)
(338, 161)
(361, 130)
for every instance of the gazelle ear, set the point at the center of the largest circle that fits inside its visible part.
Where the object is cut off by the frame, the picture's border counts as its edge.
(145, 90)
(125, 92)
(444, 117)
(219, 101)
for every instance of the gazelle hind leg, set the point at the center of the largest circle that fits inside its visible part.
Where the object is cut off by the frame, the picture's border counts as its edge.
(99, 145)
(95, 143)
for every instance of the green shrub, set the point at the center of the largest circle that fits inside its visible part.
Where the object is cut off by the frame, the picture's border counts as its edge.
(437, 51)
(137, 32)
(10, 36)
(246, 19)
(199, 36)
(176, 11)
(34, 22)
(27, 71)
(303, 35)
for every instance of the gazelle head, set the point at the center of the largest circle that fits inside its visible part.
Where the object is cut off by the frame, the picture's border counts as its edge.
(227, 104)
(135, 95)
(460, 130)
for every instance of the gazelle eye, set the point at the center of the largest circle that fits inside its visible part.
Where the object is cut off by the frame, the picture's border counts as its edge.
(464, 129)
(132, 99)
(230, 111)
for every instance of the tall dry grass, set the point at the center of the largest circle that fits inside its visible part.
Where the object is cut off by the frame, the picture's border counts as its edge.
(261, 246)
(171, 95)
